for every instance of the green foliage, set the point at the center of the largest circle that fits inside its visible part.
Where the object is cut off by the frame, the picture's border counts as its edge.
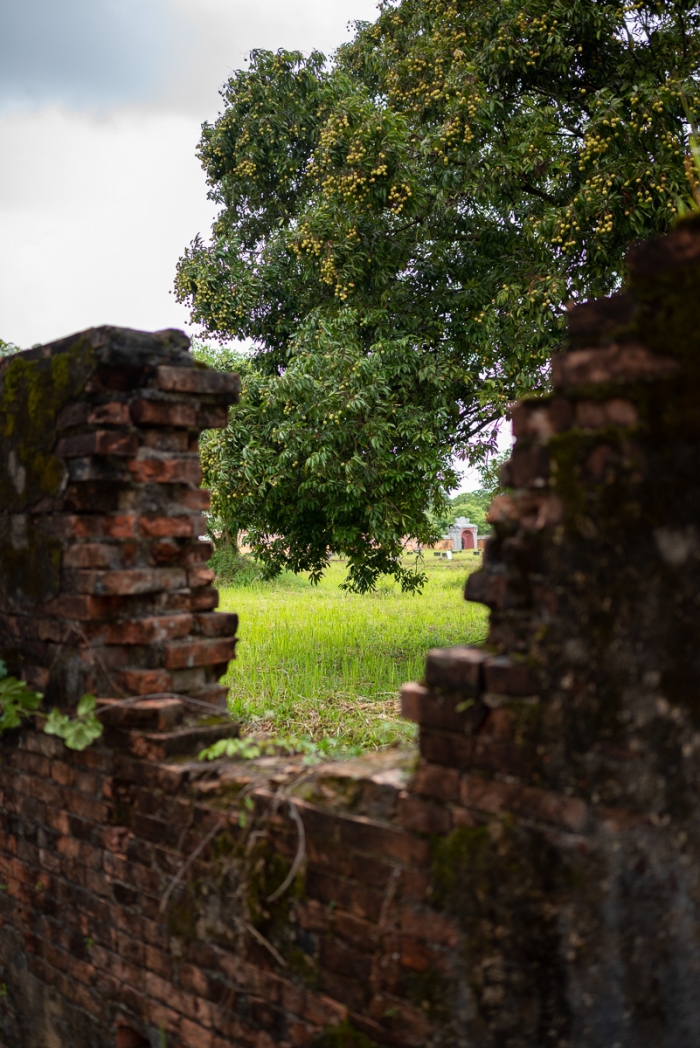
(18, 703)
(233, 568)
(289, 745)
(399, 232)
(7, 349)
(17, 700)
(77, 732)
(323, 458)
(320, 663)
(470, 504)
(474, 505)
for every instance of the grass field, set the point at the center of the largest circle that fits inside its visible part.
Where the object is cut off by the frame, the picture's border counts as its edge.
(320, 663)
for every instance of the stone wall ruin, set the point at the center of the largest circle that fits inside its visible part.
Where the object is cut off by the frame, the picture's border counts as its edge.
(529, 880)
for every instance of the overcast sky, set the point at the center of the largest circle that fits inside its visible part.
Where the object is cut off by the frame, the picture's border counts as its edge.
(101, 103)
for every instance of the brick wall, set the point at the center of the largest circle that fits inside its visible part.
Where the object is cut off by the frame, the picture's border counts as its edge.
(529, 879)
(104, 582)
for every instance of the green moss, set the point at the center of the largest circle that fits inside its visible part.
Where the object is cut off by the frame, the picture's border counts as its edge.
(432, 992)
(31, 563)
(182, 920)
(268, 870)
(32, 393)
(343, 1036)
(464, 849)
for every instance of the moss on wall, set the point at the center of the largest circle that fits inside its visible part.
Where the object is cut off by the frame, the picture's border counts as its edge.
(33, 390)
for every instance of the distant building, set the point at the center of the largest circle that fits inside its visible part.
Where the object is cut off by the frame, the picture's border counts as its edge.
(463, 534)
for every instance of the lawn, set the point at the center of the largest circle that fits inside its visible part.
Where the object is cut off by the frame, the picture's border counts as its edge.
(316, 662)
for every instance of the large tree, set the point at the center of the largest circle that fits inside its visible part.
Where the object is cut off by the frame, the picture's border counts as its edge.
(399, 231)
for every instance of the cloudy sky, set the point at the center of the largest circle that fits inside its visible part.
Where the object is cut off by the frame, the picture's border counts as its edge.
(101, 103)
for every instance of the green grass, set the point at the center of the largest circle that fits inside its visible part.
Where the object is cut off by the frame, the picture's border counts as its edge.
(316, 662)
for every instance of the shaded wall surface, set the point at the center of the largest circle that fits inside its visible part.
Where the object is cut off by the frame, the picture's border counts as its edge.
(529, 878)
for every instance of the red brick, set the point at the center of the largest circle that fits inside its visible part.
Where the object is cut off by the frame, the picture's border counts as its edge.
(533, 420)
(216, 624)
(163, 527)
(153, 630)
(453, 711)
(505, 677)
(422, 816)
(133, 581)
(196, 499)
(62, 773)
(115, 413)
(200, 576)
(197, 380)
(204, 599)
(100, 442)
(417, 956)
(430, 926)
(433, 780)
(385, 841)
(412, 695)
(338, 957)
(356, 898)
(627, 362)
(119, 526)
(176, 469)
(92, 555)
(446, 748)
(80, 607)
(195, 1036)
(144, 682)
(212, 418)
(455, 669)
(493, 796)
(163, 413)
(357, 932)
(199, 653)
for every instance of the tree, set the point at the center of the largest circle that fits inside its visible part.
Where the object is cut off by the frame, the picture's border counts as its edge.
(7, 348)
(475, 504)
(399, 232)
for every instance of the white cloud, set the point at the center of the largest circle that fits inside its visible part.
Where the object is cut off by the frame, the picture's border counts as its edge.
(97, 206)
(221, 33)
(93, 217)
(84, 52)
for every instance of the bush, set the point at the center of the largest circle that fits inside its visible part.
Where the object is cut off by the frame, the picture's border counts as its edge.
(233, 568)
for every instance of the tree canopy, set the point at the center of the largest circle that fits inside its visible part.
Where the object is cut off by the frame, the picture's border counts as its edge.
(399, 231)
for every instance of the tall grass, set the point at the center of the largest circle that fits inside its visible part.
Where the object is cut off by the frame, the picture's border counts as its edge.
(318, 662)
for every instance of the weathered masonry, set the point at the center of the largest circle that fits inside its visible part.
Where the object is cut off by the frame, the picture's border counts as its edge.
(531, 880)
(104, 583)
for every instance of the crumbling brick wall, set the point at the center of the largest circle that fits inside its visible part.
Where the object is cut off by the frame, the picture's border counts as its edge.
(104, 584)
(529, 879)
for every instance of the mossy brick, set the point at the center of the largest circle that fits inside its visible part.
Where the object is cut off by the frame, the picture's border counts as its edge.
(625, 363)
(174, 527)
(216, 624)
(188, 380)
(455, 669)
(422, 816)
(99, 442)
(448, 748)
(436, 781)
(153, 630)
(507, 677)
(146, 412)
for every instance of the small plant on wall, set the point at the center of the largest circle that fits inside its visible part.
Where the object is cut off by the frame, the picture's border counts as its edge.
(18, 703)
